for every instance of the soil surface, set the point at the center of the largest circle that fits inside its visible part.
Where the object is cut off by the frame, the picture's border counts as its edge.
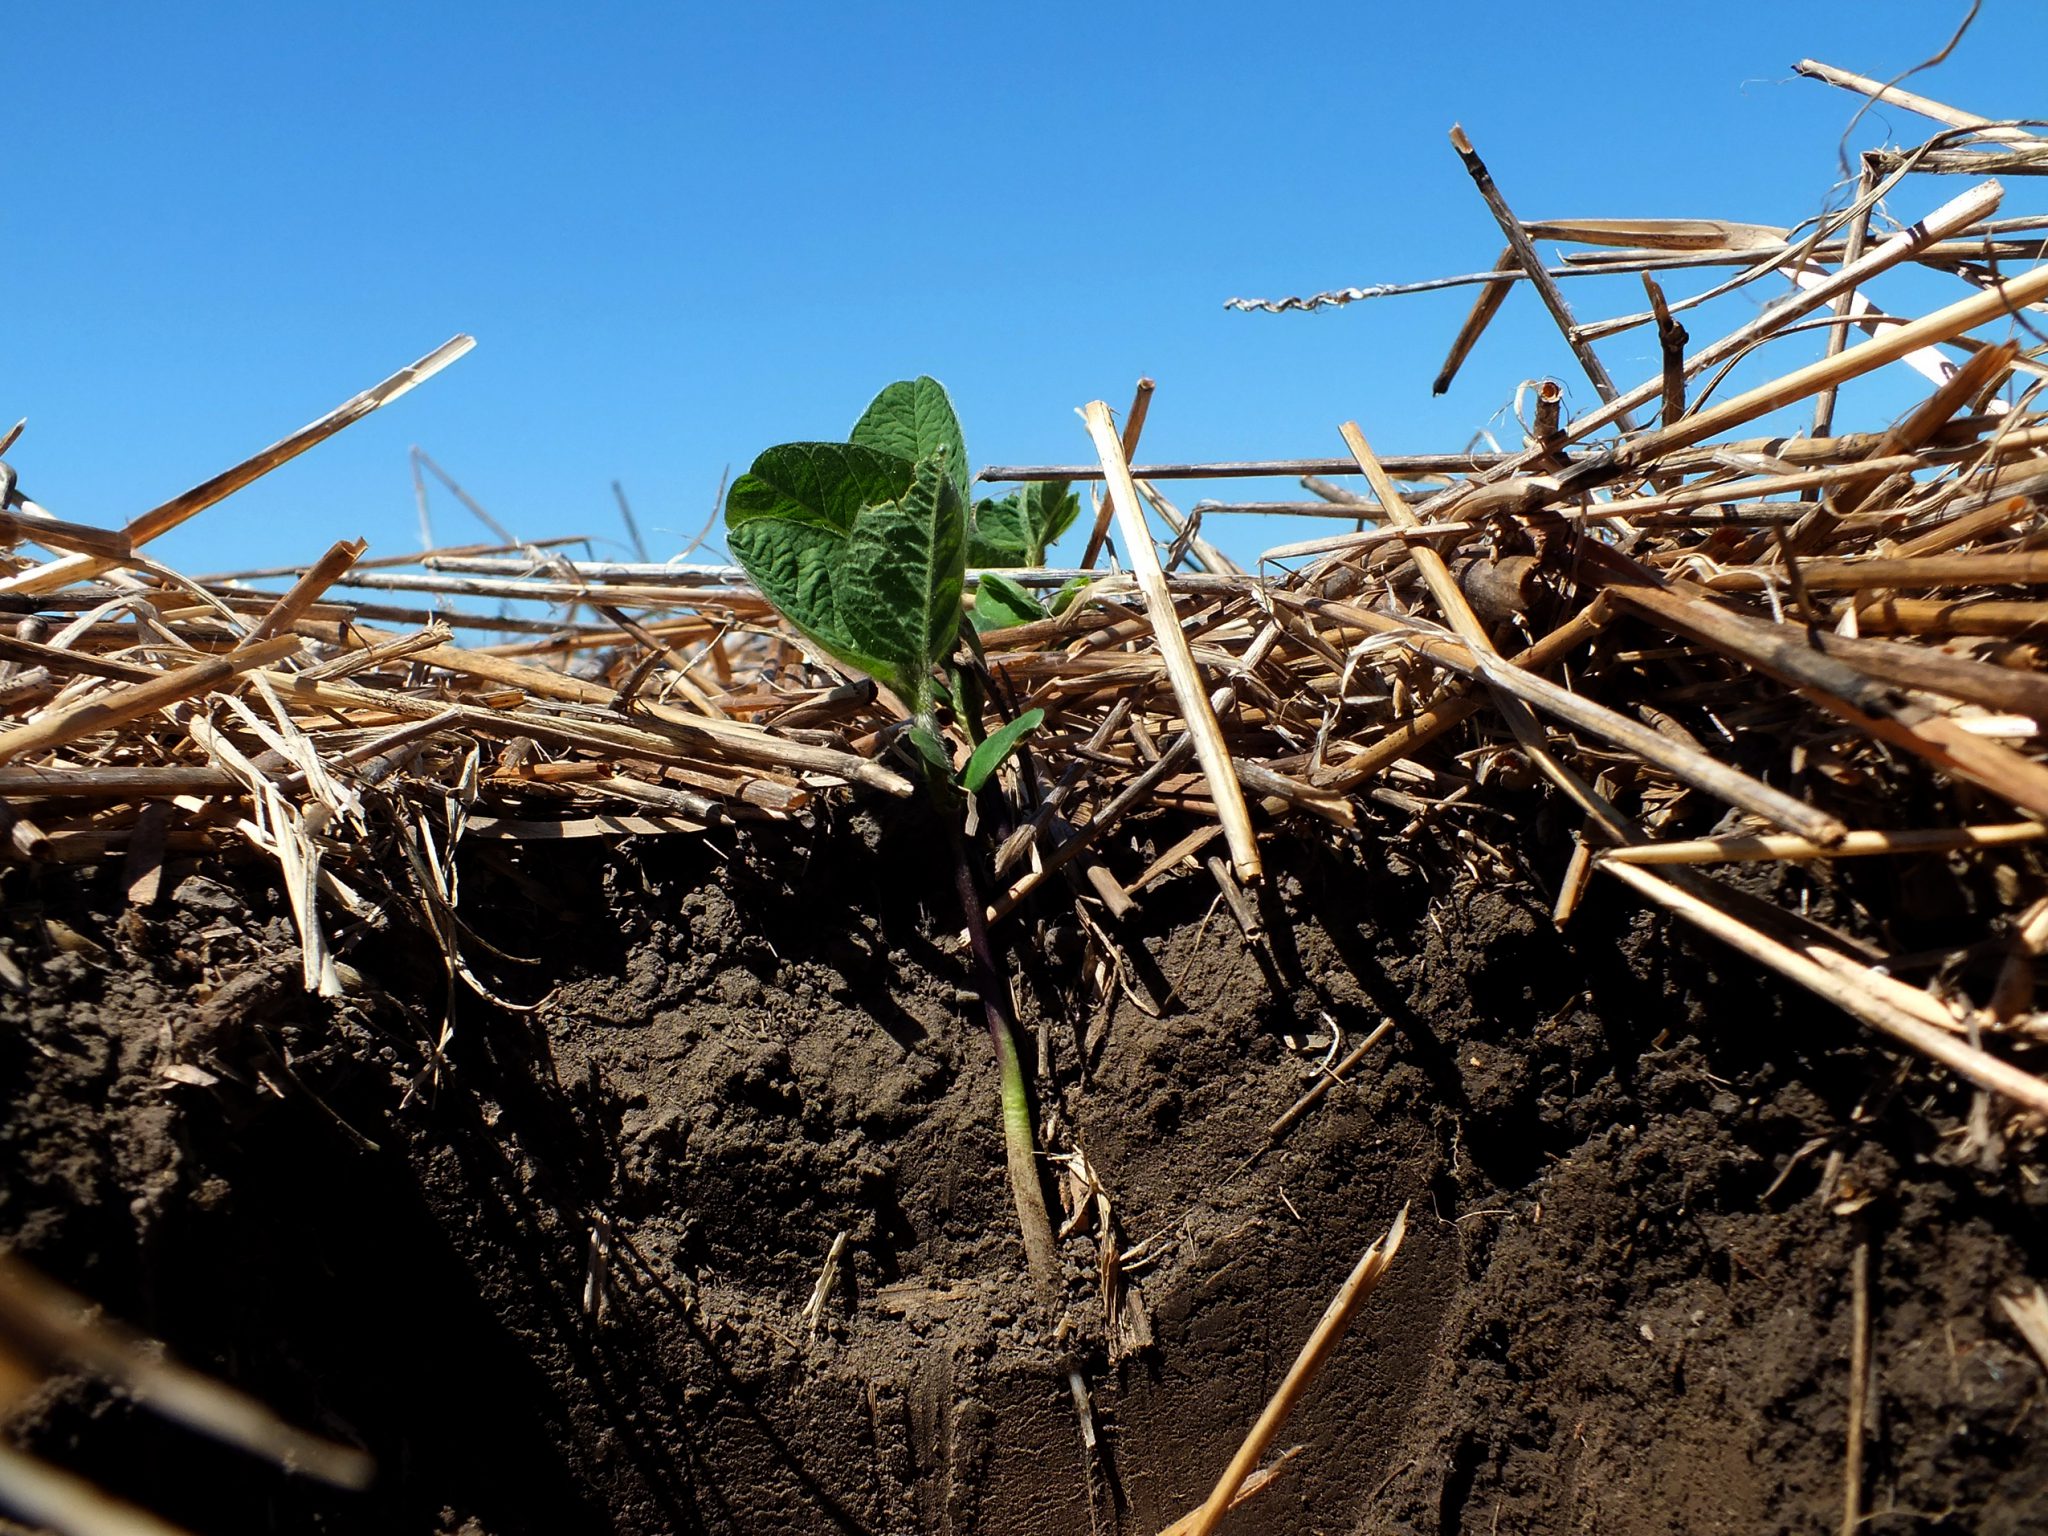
(548, 1258)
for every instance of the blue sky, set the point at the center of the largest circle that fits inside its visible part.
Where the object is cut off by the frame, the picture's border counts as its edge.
(682, 233)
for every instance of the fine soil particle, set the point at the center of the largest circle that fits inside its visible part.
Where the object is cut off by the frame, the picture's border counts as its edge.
(552, 1269)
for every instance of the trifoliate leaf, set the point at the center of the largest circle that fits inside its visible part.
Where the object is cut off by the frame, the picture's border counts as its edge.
(1050, 507)
(1017, 529)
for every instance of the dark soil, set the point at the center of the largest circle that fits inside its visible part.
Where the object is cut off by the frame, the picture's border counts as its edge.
(554, 1278)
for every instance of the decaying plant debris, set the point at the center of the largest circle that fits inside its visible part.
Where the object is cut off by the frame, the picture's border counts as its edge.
(1718, 647)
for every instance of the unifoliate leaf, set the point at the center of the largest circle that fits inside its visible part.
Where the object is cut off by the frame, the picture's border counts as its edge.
(999, 603)
(1017, 529)
(912, 419)
(825, 483)
(988, 757)
(900, 584)
(862, 545)
(792, 563)
(789, 520)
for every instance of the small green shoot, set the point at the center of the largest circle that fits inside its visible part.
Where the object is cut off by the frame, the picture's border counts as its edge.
(863, 546)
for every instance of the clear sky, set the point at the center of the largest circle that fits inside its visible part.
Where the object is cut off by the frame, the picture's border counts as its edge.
(681, 233)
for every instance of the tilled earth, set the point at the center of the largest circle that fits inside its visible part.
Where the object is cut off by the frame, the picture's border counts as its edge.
(553, 1271)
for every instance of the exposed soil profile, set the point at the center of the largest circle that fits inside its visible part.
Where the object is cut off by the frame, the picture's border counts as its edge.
(557, 1283)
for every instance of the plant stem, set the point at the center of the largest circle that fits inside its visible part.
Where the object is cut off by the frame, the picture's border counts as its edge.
(1019, 1143)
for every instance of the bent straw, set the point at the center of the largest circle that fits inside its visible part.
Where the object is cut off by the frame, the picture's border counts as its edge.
(1134, 424)
(162, 519)
(1188, 690)
(114, 707)
(1844, 991)
(1952, 217)
(1322, 1343)
(1942, 325)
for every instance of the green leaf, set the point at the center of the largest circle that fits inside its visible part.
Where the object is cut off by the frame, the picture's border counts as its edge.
(989, 756)
(794, 567)
(964, 692)
(1000, 602)
(1050, 508)
(860, 550)
(931, 749)
(790, 520)
(997, 537)
(1063, 599)
(899, 587)
(1017, 529)
(824, 483)
(912, 419)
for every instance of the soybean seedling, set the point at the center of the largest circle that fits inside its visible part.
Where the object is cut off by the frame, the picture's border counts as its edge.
(863, 547)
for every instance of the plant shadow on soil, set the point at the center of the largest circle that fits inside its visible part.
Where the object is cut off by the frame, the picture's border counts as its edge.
(558, 1283)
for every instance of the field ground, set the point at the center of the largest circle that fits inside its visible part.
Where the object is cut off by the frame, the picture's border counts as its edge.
(559, 1285)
